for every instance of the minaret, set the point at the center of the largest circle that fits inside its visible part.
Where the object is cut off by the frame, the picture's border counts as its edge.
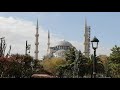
(36, 43)
(89, 28)
(48, 49)
(87, 40)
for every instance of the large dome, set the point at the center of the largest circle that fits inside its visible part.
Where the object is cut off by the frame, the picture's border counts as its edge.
(64, 43)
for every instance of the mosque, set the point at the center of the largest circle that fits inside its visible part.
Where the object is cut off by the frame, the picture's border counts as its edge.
(60, 49)
(62, 46)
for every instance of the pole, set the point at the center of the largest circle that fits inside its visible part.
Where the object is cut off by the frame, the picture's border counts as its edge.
(26, 49)
(74, 67)
(1, 49)
(4, 47)
(94, 64)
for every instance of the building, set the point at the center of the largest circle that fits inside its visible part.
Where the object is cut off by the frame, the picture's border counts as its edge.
(62, 46)
(59, 49)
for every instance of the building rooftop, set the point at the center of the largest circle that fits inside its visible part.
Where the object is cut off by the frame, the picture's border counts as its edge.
(64, 43)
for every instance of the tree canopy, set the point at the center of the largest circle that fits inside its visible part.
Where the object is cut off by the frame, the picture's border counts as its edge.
(114, 62)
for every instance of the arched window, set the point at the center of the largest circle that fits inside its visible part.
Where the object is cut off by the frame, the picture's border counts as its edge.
(57, 47)
(65, 47)
(60, 47)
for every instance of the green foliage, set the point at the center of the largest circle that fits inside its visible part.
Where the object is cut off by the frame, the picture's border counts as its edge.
(24, 65)
(67, 69)
(114, 70)
(51, 65)
(114, 63)
(100, 69)
(115, 55)
(100, 66)
(70, 55)
(82, 65)
(76, 66)
(18, 66)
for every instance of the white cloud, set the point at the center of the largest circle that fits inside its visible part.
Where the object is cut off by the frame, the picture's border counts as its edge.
(100, 51)
(103, 50)
(16, 31)
(79, 45)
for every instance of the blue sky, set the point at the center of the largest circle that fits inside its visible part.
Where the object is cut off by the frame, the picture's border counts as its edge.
(70, 25)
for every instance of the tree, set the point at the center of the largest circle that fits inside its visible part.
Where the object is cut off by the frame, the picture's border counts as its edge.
(16, 65)
(103, 59)
(70, 55)
(51, 65)
(82, 63)
(68, 68)
(76, 65)
(114, 62)
(99, 66)
(24, 64)
(115, 55)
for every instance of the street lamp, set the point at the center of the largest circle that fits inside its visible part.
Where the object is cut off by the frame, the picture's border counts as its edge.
(94, 46)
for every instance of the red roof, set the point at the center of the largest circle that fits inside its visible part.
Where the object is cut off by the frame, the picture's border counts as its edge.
(41, 76)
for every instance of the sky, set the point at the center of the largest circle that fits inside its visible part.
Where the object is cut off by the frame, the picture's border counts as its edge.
(17, 27)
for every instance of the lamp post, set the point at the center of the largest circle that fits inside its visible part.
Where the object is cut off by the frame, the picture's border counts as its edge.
(94, 46)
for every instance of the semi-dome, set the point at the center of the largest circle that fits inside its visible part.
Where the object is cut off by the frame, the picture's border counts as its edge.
(64, 43)
(59, 53)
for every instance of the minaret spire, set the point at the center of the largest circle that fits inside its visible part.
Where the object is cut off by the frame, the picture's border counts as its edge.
(36, 43)
(48, 42)
(85, 22)
(37, 27)
(87, 40)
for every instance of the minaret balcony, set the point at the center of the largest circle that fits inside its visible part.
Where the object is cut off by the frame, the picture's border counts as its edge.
(37, 35)
(86, 43)
(48, 43)
(36, 51)
(37, 43)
